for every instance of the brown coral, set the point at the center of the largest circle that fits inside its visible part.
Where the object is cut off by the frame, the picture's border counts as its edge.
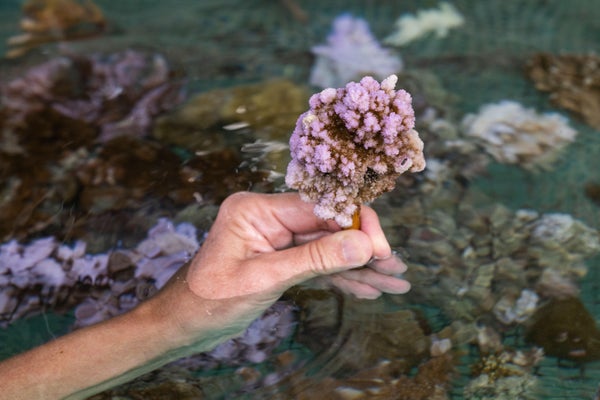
(566, 329)
(573, 81)
(46, 21)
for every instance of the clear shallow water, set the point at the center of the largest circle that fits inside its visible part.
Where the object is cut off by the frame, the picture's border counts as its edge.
(222, 44)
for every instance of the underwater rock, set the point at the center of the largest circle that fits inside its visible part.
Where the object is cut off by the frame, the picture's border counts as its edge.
(573, 81)
(351, 52)
(268, 109)
(369, 333)
(170, 382)
(381, 382)
(564, 328)
(46, 21)
(561, 239)
(127, 173)
(437, 21)
(592, 192)
(513, 134)
(213, 176)
(256, 118)
(553, 283)
(124, 172)
(472, 261)
(505, 363)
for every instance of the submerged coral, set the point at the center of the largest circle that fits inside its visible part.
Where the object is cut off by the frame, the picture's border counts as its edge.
(57, 274)
(46, 21)
(507, 388)
(351, 51)
(513, 134)
(572, 80)
(352, 145)
(438, 21)
(119, 93)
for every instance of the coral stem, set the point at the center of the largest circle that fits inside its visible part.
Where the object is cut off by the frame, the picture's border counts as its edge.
(355, 220)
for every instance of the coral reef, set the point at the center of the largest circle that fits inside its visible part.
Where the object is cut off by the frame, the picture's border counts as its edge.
(352, 145)
(46, 21)
(70, 166)
(72, 155)
(572, 80)
(351, 51)
(437, 21)
(454, 258)
(513, 134)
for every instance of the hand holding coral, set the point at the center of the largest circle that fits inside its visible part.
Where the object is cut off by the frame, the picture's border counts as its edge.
(258, 247)
(261, 245)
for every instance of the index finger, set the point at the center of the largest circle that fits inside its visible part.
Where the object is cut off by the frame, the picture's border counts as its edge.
(369, 223)
(280, 217)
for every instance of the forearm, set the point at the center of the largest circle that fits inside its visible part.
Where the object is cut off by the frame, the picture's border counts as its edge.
(98, 357)
(94, 357)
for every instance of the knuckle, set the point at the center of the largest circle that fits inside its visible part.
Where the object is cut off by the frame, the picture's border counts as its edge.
(318, 258)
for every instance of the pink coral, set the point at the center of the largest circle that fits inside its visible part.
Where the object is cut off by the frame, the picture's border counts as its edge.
(352, 145)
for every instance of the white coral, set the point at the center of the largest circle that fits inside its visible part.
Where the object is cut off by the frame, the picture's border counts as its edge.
(513, 134)
(439, 21)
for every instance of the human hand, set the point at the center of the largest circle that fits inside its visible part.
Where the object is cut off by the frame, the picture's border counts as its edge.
(258, 247)
(261, 245)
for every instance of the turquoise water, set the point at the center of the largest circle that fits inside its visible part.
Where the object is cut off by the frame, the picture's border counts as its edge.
(228, 43)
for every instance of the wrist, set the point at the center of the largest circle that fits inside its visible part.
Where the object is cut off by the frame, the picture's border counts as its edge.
(185, 322)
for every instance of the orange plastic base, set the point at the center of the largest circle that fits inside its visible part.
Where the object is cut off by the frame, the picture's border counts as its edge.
(355, 220)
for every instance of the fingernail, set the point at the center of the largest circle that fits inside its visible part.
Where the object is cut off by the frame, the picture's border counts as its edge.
(352, 252)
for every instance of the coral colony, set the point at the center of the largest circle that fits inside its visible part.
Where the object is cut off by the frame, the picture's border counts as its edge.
(351, 51)
(437, 21)
(46, 21)
(513, 134)
(351, 146)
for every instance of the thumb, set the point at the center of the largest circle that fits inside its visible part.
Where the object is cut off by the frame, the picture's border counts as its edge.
(329, 254)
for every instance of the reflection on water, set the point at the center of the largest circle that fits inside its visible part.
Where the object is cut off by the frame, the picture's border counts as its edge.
(114, 146)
